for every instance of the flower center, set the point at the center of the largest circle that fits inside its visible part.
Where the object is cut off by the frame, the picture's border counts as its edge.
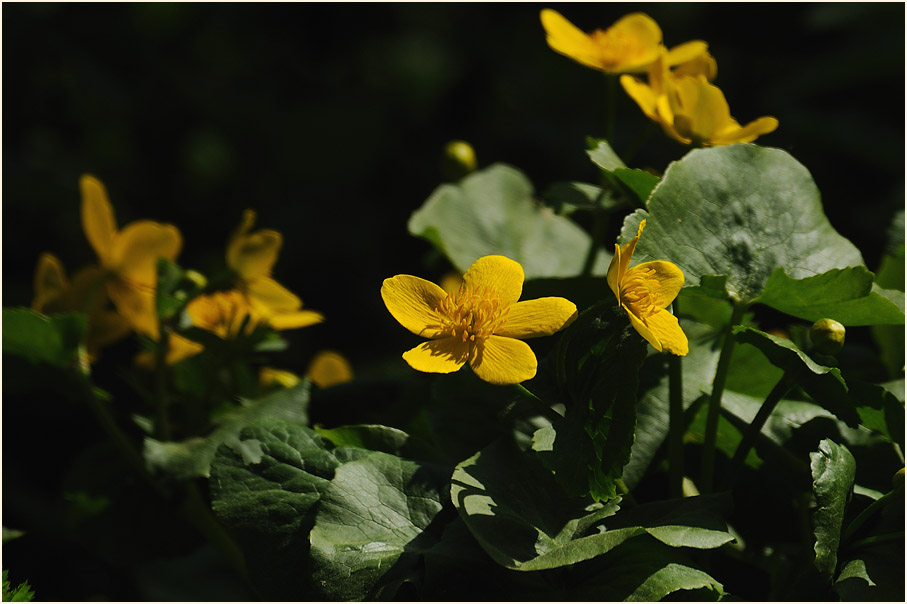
(471, 314)
(617, 46)
(640, 291)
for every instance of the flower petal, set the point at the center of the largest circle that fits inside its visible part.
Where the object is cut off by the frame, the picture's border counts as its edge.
(566, 38)
(136, 305)
(50, 281)
(689, 51)
(267, 297)
(438, 356)
(329, 368)
(613, 277)
(500, 360)
(746, 134)
(97, 217)
(137, 247)
(412, 301)
(646, 35)
(666, 328)
(643, 329)
(497, 273)
(644, 95)
(700, 110)
(539, 317)
(664, 280)
(253, 255)
(295, 320)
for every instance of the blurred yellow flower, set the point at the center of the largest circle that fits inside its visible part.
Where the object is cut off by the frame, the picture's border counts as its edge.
(329, 368)
(478, 324)
(645, 291)
(252, 256)
(269, 376)
(688, 107)
(129, 256)
(54, 293)
(630, 45)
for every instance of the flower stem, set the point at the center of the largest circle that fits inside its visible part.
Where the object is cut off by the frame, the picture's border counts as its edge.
(162, 422)
(711, 424)
(543, 409)
(675, 425)
(784, 385)
(610, 107)
(861, 518)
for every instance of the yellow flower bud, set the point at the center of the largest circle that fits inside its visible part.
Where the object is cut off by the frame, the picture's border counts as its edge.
(458, 160)
(827, 336)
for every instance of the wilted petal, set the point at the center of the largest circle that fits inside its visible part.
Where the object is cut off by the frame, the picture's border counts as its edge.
(539, 317)
(500, 360)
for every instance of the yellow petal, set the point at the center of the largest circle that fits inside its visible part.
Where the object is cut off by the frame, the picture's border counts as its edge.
(50, 281)
(539, 317)
(268, 297)
(500, 360)
(700, 111)
(497, 273)
(253, 255)
(703, 64)
(564, 37)
(689, 51)
(181, 348)
(438, 356)
(97, 217)
(666, 328)
(295, 320)
(613, 277)
(137, 248)
(663, 280)
(270, 376)
(412, 301)
(644, 47)
(642, 93)
(136, 305)
(329, 368)
(747, 133)
(640, 326)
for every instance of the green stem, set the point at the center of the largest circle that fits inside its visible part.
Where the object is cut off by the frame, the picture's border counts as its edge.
(861, 518)
(675, 427)
(784, 385)
(711, 424)
(549, 413)
(162, 423)
(610, 107)
(875, 540)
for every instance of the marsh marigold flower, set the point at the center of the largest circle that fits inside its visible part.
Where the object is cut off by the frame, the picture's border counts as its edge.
(479, 324)
(252, 256)
(128, 256)
(688, 107)
(645, 291)
(329, 368)
(631, 45)
(54, 293)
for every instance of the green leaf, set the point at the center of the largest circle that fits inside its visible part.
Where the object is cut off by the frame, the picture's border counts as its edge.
(10, 534)
(22, 592)
(824, 384)
(55, 340)
(521, 516)
(845, 295)
(640, 570)
(568, 197)
(891, 338)
(588, 449)
(603, 156)
(833, 469)
(696, 522)
(192, 458)
(373, 523)
(492, 211)
(640, 182)
(367, 436)
(267, 499)
(740, 211)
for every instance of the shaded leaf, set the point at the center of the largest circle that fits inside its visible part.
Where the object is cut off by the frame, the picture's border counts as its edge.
(367, 436)
(55, 340)
(492, 211)
(833, 469)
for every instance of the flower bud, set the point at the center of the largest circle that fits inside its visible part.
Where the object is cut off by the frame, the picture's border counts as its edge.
(458, 160)
(897, 481)
(827, 336)
(196, 278)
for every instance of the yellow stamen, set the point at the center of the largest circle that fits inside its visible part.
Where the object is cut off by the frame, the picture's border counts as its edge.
(471, 315)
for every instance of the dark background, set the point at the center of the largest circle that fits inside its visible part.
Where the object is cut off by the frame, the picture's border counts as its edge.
(329, 120)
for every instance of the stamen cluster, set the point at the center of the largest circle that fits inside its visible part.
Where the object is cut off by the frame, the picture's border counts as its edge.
(471, 314)
(639, 291)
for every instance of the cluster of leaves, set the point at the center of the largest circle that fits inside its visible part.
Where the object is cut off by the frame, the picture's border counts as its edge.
(583, 485)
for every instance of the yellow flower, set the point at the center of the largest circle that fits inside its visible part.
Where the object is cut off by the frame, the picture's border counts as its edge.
(478, 324)
(252, 256)
(54, 293)
(129, 256)
(271, 377)
(689, 108)
(329, 368)
(645, 291)
(631, 45)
